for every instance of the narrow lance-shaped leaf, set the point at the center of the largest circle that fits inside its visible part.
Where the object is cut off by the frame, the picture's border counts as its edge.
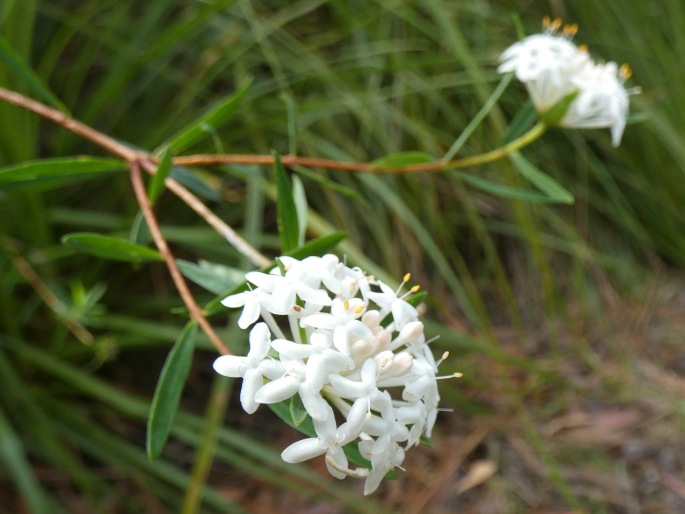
(163, 170)
(214, 118)
(555, 191)
(169, 388)
(288, 224)
(108, 247)
(396, 160)
(52, 173)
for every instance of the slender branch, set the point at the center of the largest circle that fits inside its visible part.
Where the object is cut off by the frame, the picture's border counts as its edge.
(313, 162)
(193, 308)
(212, 219)
(58, 117)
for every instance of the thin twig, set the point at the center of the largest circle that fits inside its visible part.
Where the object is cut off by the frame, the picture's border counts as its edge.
(212, 219)
(313, 162)
(187, 297)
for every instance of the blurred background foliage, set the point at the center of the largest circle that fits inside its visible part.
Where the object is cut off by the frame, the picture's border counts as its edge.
(547, 309)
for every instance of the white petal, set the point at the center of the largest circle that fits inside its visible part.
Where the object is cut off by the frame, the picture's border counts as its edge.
(260, 342)
(278, 390)
(237, 300)
(282, 299)
(250, 312)
(252, 382)
(292, 350)
(338, 456)
(303, 450)
(230, 366)
(321, 320)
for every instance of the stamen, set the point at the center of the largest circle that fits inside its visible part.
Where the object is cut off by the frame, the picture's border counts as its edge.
(442, 359)
(555, 24)
(359, 309)
(453, 375)
(406, 278)
(625, 72)
(297, 308)
(346, 305)
(415, 288)
(583, 48)
(570, 30)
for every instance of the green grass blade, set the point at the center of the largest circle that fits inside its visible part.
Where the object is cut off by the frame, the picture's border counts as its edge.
(23, 70)
(19, 468)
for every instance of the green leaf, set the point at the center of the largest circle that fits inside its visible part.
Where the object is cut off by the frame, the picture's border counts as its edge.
(108, 247)
(417, 299)
(319, 246)
(399, 159)
(213, 277)
(22, 69)
(163, 170)
(523, 121)
(502, 190)
(288, 225)
(553, 115)
(555, 191)
(214, 118)
(169, 388)
(51, 173)
(297, 411)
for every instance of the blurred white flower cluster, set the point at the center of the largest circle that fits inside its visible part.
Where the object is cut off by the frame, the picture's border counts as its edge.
(552, 68)
(337, 338)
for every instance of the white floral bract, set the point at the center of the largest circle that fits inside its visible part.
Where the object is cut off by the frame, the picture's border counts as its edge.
(354, 344)
(552, 67)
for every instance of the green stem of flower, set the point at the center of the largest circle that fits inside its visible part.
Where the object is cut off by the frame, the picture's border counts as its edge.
(534, 133)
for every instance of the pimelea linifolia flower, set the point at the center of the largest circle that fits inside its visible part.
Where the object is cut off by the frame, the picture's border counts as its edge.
(554, 69)
(353, 344)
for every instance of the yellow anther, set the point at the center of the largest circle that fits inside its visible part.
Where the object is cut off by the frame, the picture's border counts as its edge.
(359, 309)
(546, 21)
(571, 30)
(582, 48)
(415, 288)
(458, 375)
(445, 355)
(555, 24)
(297, 308)
(625, 72)
(406, 277)
(346, 304)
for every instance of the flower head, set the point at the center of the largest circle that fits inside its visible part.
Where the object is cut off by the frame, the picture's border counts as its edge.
(355, 344)
(556, 72)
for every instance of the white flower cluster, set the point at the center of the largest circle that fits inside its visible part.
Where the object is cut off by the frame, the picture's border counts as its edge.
(353, 340)
(552, 67)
